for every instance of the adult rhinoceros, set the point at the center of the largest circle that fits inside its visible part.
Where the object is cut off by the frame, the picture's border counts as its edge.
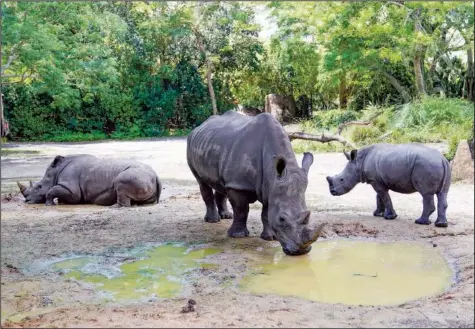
(247, 159)
(84, 178)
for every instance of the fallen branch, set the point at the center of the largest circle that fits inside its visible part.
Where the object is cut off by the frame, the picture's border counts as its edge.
(319, 138)
(358, 123)
(385, 135)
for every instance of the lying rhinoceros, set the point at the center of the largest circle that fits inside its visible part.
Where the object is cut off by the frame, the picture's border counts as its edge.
(246, 159)
(84, 178)
(404, 168)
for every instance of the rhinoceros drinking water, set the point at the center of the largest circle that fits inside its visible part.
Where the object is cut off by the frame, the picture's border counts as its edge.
(247, 159)
(404, 168)
(84, 178)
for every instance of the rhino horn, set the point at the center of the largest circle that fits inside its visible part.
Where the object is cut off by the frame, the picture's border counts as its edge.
(31, 183)
(315, 234)
(21, 186)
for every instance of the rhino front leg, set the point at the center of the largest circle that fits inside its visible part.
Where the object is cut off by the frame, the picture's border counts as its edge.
(241, 210)
(379, 212)
(427, 210)
(221, 202)
(383, 193)
(63, 194)
(267, 233)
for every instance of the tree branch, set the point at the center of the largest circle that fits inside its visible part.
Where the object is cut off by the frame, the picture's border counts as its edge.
(11, 58)
(358, 123)
(319, 138)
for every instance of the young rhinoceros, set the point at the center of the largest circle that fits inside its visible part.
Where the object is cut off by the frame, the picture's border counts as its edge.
(84, 178)
(248, 159)
(404, 168)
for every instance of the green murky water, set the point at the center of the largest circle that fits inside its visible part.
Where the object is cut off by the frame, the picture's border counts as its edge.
(354, 273)
(160, 272)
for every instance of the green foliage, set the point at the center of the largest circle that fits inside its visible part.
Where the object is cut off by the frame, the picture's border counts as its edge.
(453, 144)
(435, 111)
(333, 118)
(429, 120)
(136, 69)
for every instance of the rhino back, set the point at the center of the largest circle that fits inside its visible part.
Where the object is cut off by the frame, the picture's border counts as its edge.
(403, 167)
(235, 151)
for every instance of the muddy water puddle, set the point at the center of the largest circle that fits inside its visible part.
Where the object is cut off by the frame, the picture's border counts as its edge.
(354, 273)
(160, 272)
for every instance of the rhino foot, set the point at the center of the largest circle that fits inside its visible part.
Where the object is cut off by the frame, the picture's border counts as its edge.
(116, 205)
(390, 215)
(267, 236)
(238, 234)
(441, 222)
(378, 213)
(225, 214)
(212, 218)
(422, 221)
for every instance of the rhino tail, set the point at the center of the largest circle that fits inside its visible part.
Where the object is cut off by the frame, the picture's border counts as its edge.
(447, 176)
(159, 189)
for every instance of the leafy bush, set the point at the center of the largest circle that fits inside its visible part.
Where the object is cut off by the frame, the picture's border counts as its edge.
(434, 111)
(429, 120)
(333, 118)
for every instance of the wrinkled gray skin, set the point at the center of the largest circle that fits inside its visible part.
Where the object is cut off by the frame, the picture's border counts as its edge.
(404, 168)
(247, 159)
(86, 179)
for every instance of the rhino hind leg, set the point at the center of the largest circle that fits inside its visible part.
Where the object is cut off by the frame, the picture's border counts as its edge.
(441, 210)
(212, 215)
(240, 206)
(379, 212)
(428, 209)
(221, 201)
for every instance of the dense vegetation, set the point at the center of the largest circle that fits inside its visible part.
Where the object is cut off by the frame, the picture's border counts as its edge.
(91, 70)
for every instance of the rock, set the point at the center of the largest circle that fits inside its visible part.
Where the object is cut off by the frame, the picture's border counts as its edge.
(283, 108)
(462, 164)
(190, 307)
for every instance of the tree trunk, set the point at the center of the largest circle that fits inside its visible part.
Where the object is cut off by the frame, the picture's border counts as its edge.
(393, 81)
(343, 93)
(418, 73)
(199, 41)
(469, 83)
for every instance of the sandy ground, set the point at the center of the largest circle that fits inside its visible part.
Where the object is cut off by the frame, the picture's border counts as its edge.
(30, 235)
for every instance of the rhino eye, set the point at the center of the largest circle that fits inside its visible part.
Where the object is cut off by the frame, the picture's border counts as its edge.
(281, 219)
(39, 186)
(341, 179)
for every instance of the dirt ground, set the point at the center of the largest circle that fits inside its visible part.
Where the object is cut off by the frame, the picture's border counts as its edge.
(30, 235)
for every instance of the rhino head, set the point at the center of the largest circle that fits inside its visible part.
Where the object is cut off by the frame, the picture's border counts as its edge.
(25, 191)
(288, 217)
(345, 181)
(36, 192)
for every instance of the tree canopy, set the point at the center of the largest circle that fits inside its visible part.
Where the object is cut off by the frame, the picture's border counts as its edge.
(141, 69)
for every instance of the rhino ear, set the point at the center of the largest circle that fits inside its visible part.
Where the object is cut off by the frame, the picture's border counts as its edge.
(347, 155)
(307, 161)
(279, 163)
(57, 161)
(353, 155)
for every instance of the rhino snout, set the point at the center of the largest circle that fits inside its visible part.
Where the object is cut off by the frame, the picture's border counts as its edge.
(333, 191)
(296, 251)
